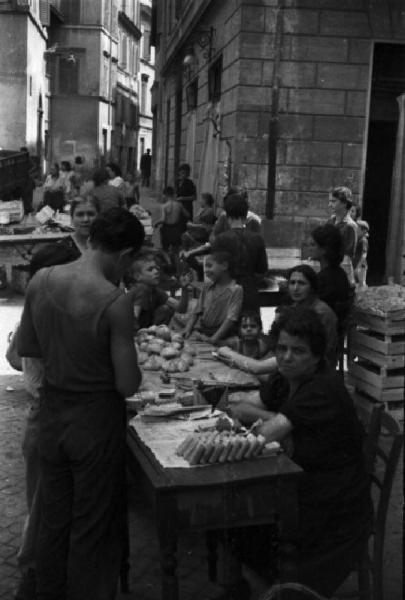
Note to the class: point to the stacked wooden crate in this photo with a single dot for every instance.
(377, 358)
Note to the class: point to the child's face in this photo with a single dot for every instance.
(249, 329)
(215, 270)
(148, 273)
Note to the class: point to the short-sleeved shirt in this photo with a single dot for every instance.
(149, 299)
(215, 305)
(186, 188)
(349, 233)
(334, 495)
(108, 196)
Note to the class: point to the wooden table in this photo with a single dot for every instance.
(25, 243)
(257, 491)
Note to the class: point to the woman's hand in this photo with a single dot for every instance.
(200, 337)
(225, 352)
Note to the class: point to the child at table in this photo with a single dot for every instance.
(152, 305)
(219, 305)
(251, 341)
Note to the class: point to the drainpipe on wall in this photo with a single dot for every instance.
(110, 78)
(273, 123)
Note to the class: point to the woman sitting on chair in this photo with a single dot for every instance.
(307, 406)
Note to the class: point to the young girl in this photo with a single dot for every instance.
(220, 302)
(251, 342)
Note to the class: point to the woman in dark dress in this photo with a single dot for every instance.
(307, 408)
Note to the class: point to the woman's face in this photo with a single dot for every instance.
(295, 359)
(316, 251)
(83, 217)
(299, 288)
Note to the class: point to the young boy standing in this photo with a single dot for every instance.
(219, 304)
(250, 342)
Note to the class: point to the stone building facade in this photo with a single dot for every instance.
(285, 97)
(23, 81)
(146, 78)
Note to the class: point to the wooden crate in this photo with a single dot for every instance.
(376, 349)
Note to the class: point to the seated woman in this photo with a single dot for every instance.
(302, 291)
(307, 403)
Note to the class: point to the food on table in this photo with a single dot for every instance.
(219, 447)
(224, 423)
(159, 348)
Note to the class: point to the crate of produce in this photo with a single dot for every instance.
(376, 346)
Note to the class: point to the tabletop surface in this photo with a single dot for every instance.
(249, 471)
(32, 237)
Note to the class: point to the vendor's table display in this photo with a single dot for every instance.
(377, 345)
(198, 468)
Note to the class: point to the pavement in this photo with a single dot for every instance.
(144, 559)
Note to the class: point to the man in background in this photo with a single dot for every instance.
(146, 167)
(340, 202)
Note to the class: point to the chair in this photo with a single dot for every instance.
(382, 449)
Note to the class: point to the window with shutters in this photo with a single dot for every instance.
(68, 75)
(146, 45)
(192, 95)
(144, 91)
(44, 12)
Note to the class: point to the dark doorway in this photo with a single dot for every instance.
(388, 82)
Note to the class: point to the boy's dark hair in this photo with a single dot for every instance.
(185, 167)
(343, 194)
(100, 176)
(303, 323)
(116, 229)
(329, 239)
(252, 315)
(144, 255)
(221, 257)
(66, 164)
(82, 200)
(308, 273)
(114, 168)
(209, 198)
(168, 191)
(236, 205)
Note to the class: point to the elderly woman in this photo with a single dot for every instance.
(302, 289)
(307, 407)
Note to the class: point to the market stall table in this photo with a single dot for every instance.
(207, 497)
(25, 243)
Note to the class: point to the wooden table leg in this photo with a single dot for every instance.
(167, 536)
(288, 528)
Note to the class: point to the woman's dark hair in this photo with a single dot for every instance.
(114, 168)
(329, 239)
(208, 198)
(66, 164)
(252, 315)
(83, 200)
(168, 191)
(308, 273)
(100, 176)
(303, 323)
(116, 229)
(56, 167)
(344, 194)
(221, 257)
(236, 205)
